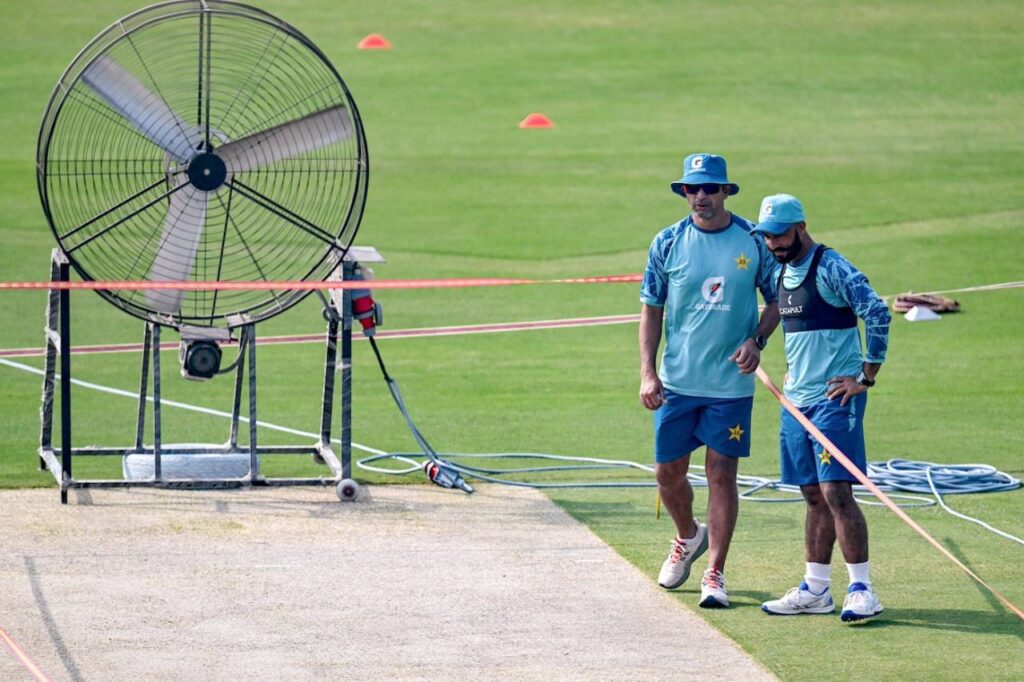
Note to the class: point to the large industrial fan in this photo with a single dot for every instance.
(199, 141)
(206, 141)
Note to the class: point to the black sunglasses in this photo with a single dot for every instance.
(708, 188)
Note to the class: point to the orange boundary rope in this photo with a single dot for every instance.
(324, 284)
(20, 654)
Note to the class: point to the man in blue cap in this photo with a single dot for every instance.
(700, 286)
(821, 295)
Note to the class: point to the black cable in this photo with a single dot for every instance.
(380, 360)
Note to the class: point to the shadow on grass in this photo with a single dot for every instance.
(952, 620)
(741, 599)
(993, 601)
(998, 621)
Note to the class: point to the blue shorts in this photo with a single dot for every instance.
(683, 423)
(803, 459)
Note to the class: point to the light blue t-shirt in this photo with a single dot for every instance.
(814, 357)
(707, 283)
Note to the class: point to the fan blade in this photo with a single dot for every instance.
(287, 140)
(179, 243)
(148, 112)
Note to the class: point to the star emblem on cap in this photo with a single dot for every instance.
(736, 432)
(742, 262)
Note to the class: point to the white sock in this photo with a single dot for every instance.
(818, 576)
(859, 573)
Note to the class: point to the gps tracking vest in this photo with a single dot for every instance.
(803, 309)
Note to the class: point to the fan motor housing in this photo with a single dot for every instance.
(207, 171)
(200, 359)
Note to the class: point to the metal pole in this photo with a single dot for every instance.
(346, 375)
(236, 408)
(157, 471)
(50, 366)
(330, 367)
(65, 384)
(140, 427)
(254, 464)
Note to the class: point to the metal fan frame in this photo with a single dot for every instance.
(138, 21)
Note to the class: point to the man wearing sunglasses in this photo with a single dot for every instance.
(821, 295)
(700, 287)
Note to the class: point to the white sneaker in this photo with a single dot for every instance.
(800, 600)
(712, 590)
(860, 603)
(676, 568)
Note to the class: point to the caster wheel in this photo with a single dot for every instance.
(348, 490)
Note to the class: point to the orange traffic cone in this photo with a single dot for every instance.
(374, 41)
(536, 121)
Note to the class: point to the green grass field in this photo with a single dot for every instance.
(897, 124)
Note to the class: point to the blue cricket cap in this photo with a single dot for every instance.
(703, 168)
(778, 213)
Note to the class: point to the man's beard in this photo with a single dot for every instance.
(791, 251)
(706, 213)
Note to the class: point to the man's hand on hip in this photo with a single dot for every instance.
(845, 388)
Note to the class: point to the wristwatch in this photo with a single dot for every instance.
(760, 341)
(863, 380)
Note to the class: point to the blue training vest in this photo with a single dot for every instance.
(803, 309)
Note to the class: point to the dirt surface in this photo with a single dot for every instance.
(411, 582)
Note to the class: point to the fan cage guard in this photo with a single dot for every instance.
(106, 189)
